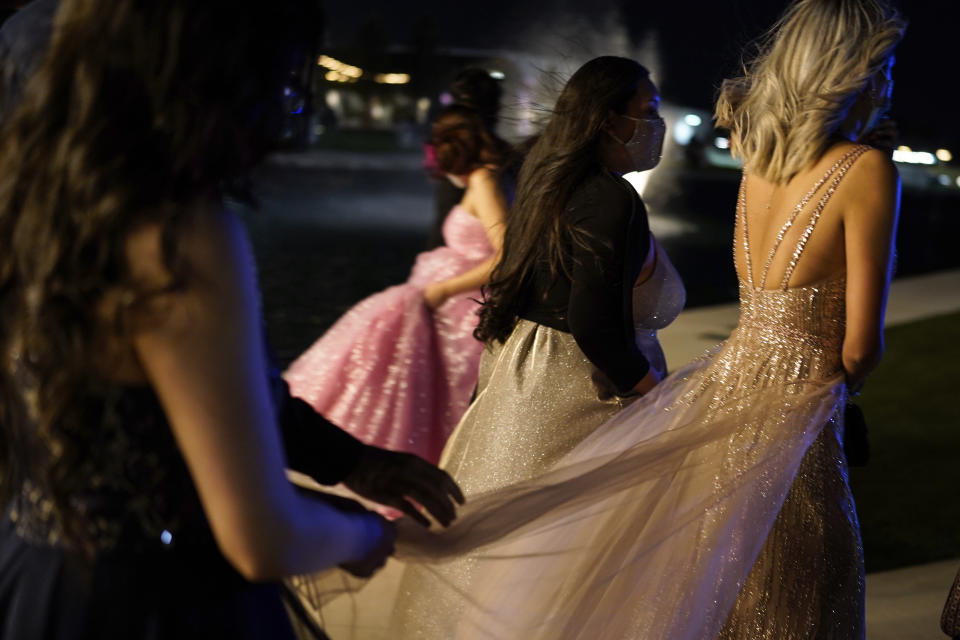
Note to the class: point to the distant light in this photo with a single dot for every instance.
(333, 99)
(958, 181)
(721, 143)
(287, 91)
(336, 76)
(693, 119)
(446, 99)
(944, 155)
(944, 179)
(913, 157)
(166, 537)
(392, 78)
(904, 148)
(497, 75)
(682, 133)
(342, 67)
(638, 179)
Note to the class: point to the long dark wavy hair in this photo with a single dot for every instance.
(566, 151)
(462, 141)
(139, 109)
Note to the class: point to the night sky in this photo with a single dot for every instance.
(698, 42)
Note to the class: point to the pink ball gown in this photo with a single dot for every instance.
(391, 372)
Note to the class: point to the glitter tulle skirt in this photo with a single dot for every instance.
(390, 371)
(538, 396)
(717, 506)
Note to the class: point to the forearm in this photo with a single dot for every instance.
(859, 363)
(613, 353)
(303, 535)
(470, 280)
(313, 445)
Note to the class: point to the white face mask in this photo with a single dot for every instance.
(645, 147)
(456, 181)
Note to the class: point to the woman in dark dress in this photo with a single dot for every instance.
(141, 469)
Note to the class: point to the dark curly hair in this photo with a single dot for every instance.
(462, 141)
(139, 109)
(476, 88)
(564, 153)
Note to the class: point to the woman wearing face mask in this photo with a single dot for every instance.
(570, 314)
(571, 311)
(398, 369)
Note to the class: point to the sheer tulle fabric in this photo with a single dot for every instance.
(717, 506)
(646, 530)
(391, 372)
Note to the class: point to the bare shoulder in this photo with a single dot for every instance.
(873, 180)
(201, 237)
(875, 166)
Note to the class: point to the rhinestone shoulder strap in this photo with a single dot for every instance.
(849, 160)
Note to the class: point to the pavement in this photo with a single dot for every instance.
(903, 604)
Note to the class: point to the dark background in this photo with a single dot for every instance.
(700, 42)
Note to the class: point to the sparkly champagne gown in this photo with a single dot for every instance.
(538, 395)
(716, 506)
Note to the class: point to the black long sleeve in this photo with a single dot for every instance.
(595, 303)
(314, 445)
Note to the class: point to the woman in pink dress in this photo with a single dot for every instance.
(398, 369)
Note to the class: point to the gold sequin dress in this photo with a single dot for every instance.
(716, 506)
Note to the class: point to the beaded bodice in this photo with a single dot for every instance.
(797, 330)
(465, 234)
(128, 480)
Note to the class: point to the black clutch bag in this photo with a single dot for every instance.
(856, 446)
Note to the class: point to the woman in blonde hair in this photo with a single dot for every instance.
(718, 505)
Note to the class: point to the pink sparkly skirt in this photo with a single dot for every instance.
(390, 371)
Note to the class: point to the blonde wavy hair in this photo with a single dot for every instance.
(813, 66)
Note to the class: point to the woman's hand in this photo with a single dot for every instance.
(435, 295)
(647, 382)
(400, 480)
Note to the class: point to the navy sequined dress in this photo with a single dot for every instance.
(155, 570)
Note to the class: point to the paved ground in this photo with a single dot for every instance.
(905, 604)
